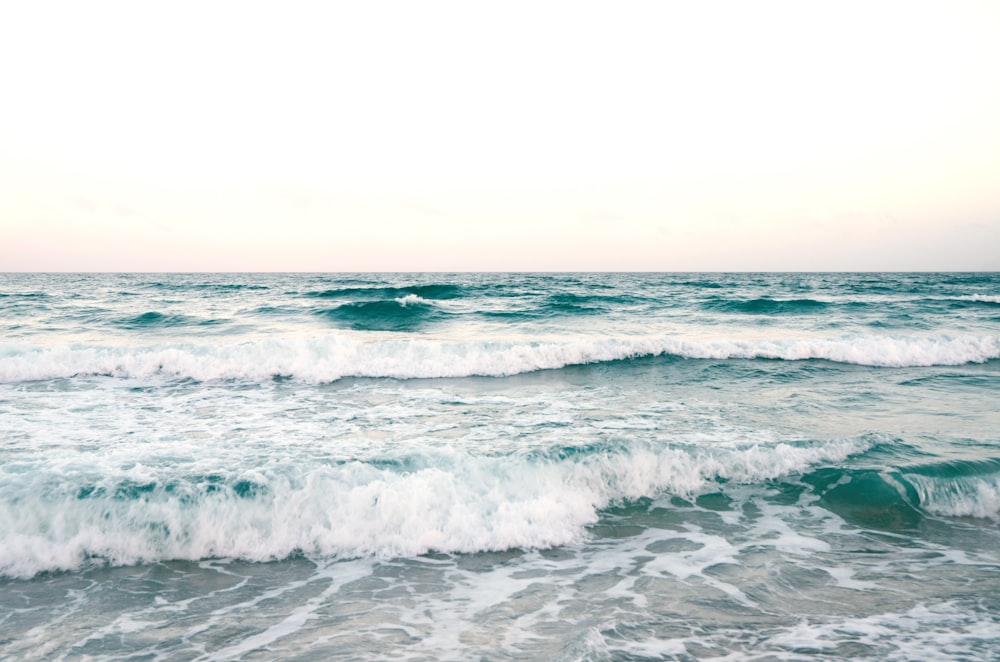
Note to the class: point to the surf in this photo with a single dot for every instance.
(444, 500)
(332, 357)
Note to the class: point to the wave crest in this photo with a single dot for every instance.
(899, 498)
(428, 291)
(407, 313)
(329, 358)
(767, 306)
(447, 501)
(332, 357)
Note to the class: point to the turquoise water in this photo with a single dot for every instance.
(500, 466)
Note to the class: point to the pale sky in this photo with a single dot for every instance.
(441, 136)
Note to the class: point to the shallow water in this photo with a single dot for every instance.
(500, 466)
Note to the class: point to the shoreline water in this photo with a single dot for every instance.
(575, 466)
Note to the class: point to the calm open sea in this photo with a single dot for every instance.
(500, 466)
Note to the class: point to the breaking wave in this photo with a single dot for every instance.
(437, 501)
(332, 357)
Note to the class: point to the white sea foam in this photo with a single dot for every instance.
(947, 629)
(984, 298)
(412, 300)
(454, 502)
(331, 357)
(967, 496)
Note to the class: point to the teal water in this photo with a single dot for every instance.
(500, 466)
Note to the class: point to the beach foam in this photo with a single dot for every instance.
(331, 357)
(444, 501)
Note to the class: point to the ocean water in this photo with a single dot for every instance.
(500, 466)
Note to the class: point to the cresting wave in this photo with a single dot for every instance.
(406, 313)
(445, 501)
(768, 306)
(897, 499)
(332, 357)
(969, 493)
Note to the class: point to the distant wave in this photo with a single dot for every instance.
(554, 306)
(430, 291)
(972, 278)
(438, 501)
(707, 284)
(568, 302)
(405, 313)
(154, 319)
(230, 286)
(25, 295)
(183, 285)
(767, 306)
(989, 299)
(331, 357)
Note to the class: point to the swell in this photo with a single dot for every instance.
(25, 295)
(900, 497)
(564, 304)
(331, 357)
(772, 306)
(154, 319)
(767, 306)
(972, 278)
(407, 313)
(703, 284)
(428, 291)
(442, 500)
(975, 301)
(183, 285)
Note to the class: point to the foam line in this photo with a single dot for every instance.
(455, 503)
(331, 357)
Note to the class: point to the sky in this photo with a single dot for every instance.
(499, 136)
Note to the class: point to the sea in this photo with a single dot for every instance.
(500, 466)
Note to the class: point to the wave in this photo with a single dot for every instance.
(155, 319)
(332, 357)
(958, 489)
(26, 295)
(406, 313)
(767, 306)
(232, 286)
(570, 305)
(184, 285)
(430, 291)
(559, 305)
(705, 284)
(445, 501)
(971, 278)
(899, 498)
(986, 299)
